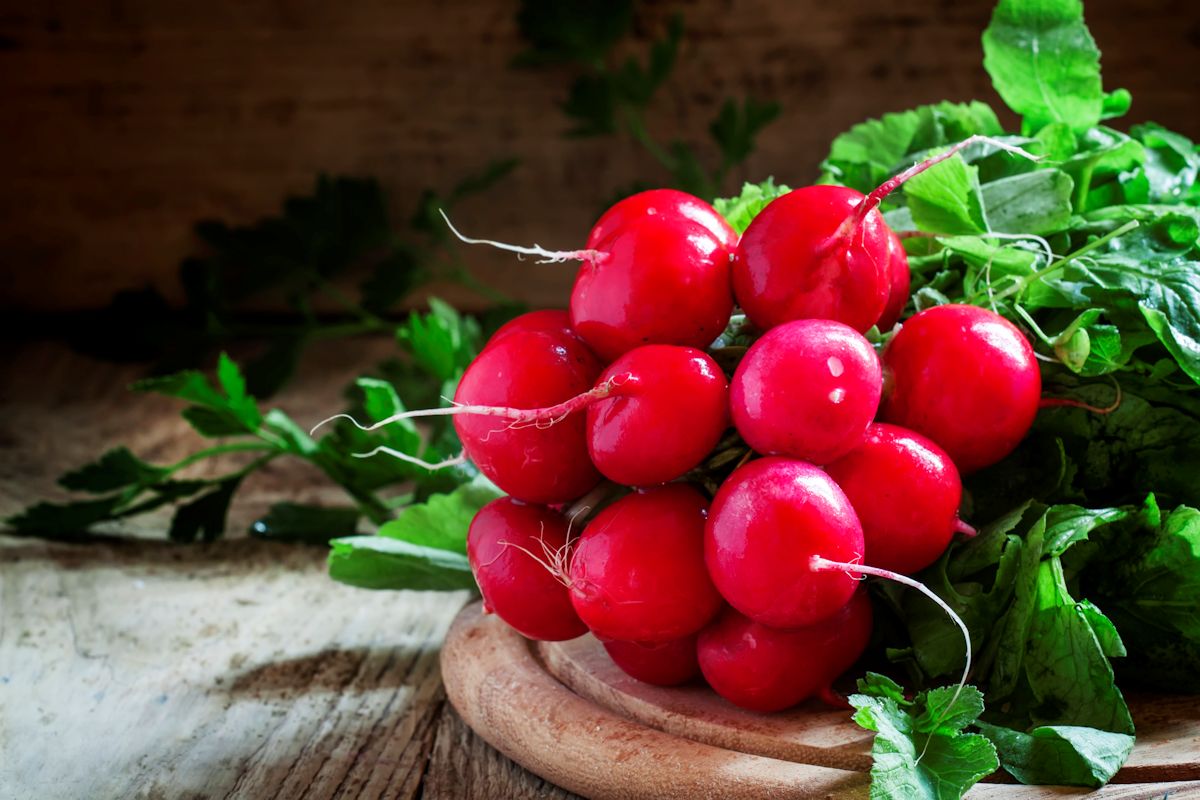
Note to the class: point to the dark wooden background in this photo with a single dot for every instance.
(126, 120)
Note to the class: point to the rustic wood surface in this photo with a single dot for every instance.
(141, 669)
(633, 742)
(125, 121)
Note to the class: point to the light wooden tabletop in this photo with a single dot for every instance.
(142, 669)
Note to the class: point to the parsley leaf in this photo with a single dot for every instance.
(920, 749)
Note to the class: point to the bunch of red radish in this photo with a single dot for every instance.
(758, 587)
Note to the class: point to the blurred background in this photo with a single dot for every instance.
(127, 122)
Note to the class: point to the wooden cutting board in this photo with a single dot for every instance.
(565, 712)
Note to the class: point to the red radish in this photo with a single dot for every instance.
(906, 492)
(528, 458)
(768, 520)
(637, 573)
(806, 389)
(794, 262)
(551, 320)
(509, 545)
(657, 280)
(666, 664)
(647, 278)
(767, 669)
(668, 409)
(901, 283)
(965, 377)
(821, 252)
(662, 202)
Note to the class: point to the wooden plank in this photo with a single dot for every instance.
(232, 670)
(127, 121)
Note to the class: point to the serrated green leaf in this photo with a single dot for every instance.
(114, 470)
(946, 198)
(740, 211)
(442, 520)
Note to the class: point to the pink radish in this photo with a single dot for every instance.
(822, 252)
(906, 492)
(661, 202)
(806, 389)
(768, 520)
(965, 377)
(509, 546)
(637, 573)
(666, 664)
(767, 669)
(524, 455)
(901, 283)
(668, 409)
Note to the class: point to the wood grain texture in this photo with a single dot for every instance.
(564, 712)
(149, 671)
(127, 120)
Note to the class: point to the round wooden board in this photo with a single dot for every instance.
(565, 712)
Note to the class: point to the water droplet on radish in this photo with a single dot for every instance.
(836, 367)
(837, 396)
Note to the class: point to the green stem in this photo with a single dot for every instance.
(1050, 269)
(1084, 184)
(232, 447)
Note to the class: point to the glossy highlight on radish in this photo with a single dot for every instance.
(551, 320)
(806, 389)
(767, 669)
(513, 549)
(637, 573)
(906, 492)
(966, 378)
(768, 520)
(667, 411)
(901, 283)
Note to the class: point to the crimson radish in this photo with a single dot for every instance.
(524, 455)
(806, 389)
(667, 411)
(767, 521)
(906, 492)
(551, 320)
(661, 202)
(509, 546)
(648, 278)
(637, 573)
(767, 669)
(664, 664)
(965, 377)
(901, 283)
(822, 252)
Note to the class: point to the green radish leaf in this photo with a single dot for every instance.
(381, 562)
(1060, 754)
(1044, 63)
(1172, 164)
(740, 211)
(1033, 202)
(946, 198)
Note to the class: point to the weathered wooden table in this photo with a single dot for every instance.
(142, 669)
